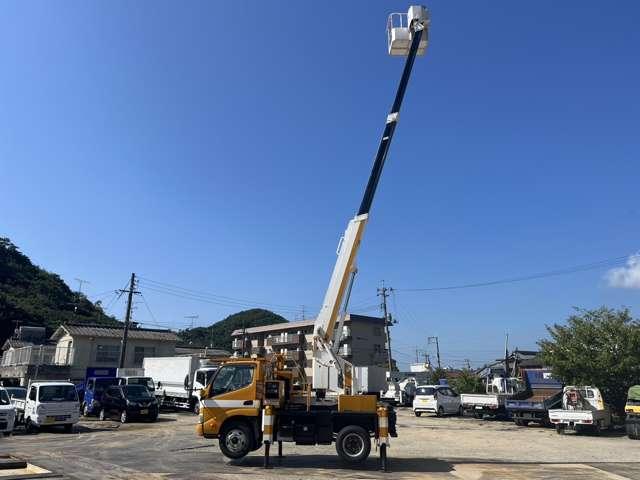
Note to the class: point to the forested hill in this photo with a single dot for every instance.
(33, 296)
(219, 334)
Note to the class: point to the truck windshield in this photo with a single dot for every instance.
(103, 383)
(144, 381)
(425, 391)
(4, 398)
(135, 392)
(19, 393)
(58, 393)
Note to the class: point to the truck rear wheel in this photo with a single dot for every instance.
(235, 440)
(560, 429)
(353, 444)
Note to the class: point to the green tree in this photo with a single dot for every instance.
(468, 382)
(219, 334)
(33, 296)
(598, 347)
(438, 374)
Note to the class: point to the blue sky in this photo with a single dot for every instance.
(223, 146)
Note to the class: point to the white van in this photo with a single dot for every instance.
(7, 413)
(438, 399)
(50, 404)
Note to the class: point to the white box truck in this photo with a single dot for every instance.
(178, 380)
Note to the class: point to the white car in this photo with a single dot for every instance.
(49, 404)
(438, 399)
(7, 413)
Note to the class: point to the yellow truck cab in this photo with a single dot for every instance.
(632, 409)
(254, 401)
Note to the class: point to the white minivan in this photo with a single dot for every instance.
(438, 399)
(50, 404)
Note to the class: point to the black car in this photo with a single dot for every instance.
(128, 402)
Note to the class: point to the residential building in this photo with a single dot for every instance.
(74, 347)
(362, 341)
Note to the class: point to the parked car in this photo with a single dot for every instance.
(632, 409)
(128, 402)
(7, 413)
(583, 407)
(16, 393)
(49, 404)
(438, 399)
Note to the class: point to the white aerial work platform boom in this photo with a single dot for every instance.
(407, 35)
(260, 400)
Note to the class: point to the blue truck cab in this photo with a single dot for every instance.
(95, 384)
(545, 393)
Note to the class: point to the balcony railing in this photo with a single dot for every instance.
(296, 356)
(260, 351)
(288, 339)
(38, 355)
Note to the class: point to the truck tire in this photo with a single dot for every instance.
(124, 417)
(29, 426)
(103, 415)
(560, 429)
(196, 407)
(440, 412)
(85, 410)
(417, 414)
(353, 444)
(477, 415)
(236, 440)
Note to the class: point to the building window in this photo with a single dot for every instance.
(108, 353)
(139, 353)
(377, 348)
(377, 331)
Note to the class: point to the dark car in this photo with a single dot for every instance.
(128, 402)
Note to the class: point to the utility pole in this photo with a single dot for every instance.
(506, 354)
(384, 293)
(435, 340)
(127, 319)
(192, 318)
(303, 313)
(80, 283)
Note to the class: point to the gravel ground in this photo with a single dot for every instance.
(428, 447)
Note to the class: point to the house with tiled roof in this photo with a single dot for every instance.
(74, 347)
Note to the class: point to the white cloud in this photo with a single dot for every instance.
(627, 276)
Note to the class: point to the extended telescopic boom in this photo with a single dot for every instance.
(409, 40)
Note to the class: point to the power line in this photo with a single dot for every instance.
(552, 273)
(216, 297)
(197, 298)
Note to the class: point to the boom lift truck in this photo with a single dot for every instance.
(252, 401)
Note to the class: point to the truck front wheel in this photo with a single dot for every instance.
(560, 429)
(353, 444)
(235, 440)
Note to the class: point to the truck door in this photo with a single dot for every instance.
(232, 392)
(30, 403)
